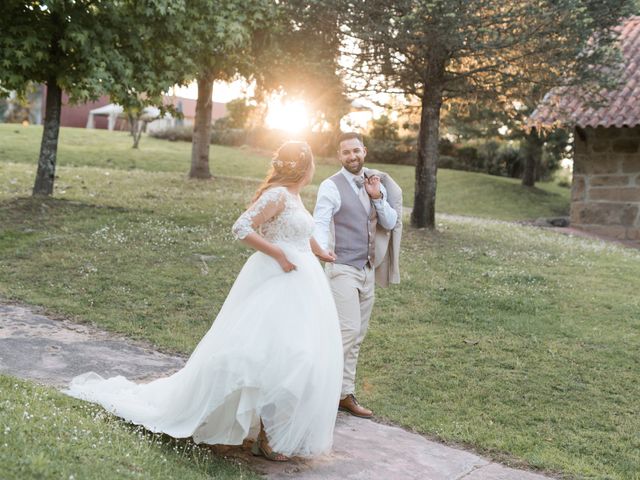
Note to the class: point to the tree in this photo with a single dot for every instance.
(383, 128)
(301, 59)
(151, 40)
(291, 46)
(219, 37)
(239, 112)
(86, 48)
(540, 151)
(443, 49)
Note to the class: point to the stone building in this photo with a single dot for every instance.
(605, 196)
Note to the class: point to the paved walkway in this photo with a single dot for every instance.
(49, 351)
(540, 223)
(576, 232)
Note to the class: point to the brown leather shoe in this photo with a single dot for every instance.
(350, 405)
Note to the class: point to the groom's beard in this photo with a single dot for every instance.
(354, 167)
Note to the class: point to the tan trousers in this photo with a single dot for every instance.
(353, 291)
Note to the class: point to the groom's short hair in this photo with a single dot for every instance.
(348, 136)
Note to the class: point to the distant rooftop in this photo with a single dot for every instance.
(621, 107)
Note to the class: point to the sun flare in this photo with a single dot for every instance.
(290, 116)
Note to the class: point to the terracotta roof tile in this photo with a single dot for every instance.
(620, 108)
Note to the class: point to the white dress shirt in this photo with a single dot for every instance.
(328, 203)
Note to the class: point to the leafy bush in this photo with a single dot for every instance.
(232, 137)
(322, 143)
(174, 134)
(507, 163)
(395, 152)
(239, 111)
(451, 163)
(468, 158)
(492, 157)
(383, 128)
(446, 147)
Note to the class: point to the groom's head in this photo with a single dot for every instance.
(351, 152)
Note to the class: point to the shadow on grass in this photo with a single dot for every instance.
(46, 211)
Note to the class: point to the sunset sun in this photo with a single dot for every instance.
(291, 116)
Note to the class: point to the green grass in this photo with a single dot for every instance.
(460, 193)
(45, 434)
(521, 344)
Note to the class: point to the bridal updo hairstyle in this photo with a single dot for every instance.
(289, 165)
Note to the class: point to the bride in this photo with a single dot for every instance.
(272, 359)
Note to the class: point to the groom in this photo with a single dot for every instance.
(351, 206)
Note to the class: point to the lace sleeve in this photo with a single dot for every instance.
(267, 206)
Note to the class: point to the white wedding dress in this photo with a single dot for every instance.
(274, 353)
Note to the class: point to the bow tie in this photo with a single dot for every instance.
(359, 181)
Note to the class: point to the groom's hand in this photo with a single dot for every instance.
(372, 186)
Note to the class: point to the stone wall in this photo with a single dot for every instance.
(605, 196)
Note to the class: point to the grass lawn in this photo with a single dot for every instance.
(45, 434)
(519, 343)
(461, 193)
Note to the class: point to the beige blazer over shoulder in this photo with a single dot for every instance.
(387, 256)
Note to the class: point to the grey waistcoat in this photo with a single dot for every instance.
(354, 228)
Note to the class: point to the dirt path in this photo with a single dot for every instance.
(48, 351)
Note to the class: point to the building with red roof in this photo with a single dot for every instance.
(77, 115)
(605, 196)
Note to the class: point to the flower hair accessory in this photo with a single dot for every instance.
(276, 162)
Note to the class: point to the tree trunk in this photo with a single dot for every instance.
(137, 134)
(532, 153)
(132, 122)
(202, 131)
(424, 201)
(135, 127)
(49, 145)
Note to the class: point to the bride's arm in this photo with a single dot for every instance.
(261, 244)
(324, 255)
(266, 207)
